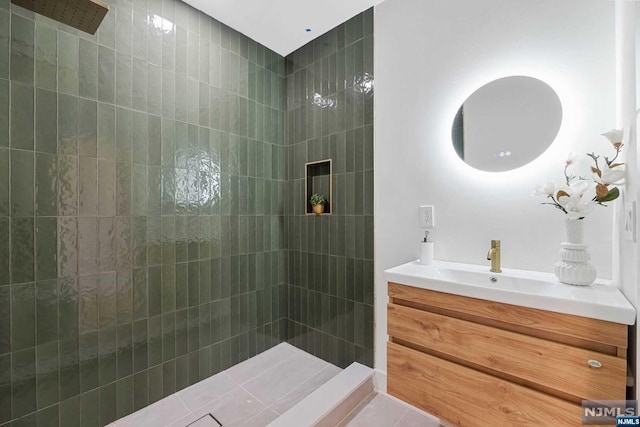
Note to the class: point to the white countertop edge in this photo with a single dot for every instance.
(623, 312)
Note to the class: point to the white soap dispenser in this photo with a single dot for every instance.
(426, 250)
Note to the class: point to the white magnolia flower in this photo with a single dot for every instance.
(571, 158)
(614, 135)
(609, 176)
(577, 198)
(548, 189)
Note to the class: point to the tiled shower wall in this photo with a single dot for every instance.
(141, 209)
(330, 258)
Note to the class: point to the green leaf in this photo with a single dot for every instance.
(613, 194)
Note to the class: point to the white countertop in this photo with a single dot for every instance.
(600, 300)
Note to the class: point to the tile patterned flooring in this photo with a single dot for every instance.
(256, 391)
(382, 411)
(252, 393)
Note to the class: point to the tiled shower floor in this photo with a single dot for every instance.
(257, 391)
(252, 393)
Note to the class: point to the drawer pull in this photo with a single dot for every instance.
(594, 363)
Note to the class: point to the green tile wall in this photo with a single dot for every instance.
(142, 223)
(330, 258)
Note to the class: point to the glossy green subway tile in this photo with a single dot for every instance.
(5, 387)
(139, 33)
(89, 367)
(70, 412)
(22, 116)
(4, 182)
(47, 375)
(87, 128)
(5, 318)
(46, 184)
(106, 188)
(46, 312)
(155, 140)
(88, 187)
(125, 297)
(68, 308)
(123, 236)
(68, 185)
(107, 404)
(107, 300)
(168, 336)
(22, 49)
(106, 131)
(154, 89)
(5, 103)
(107, 31)
(46, 57)
(139, 84)
(69, 368)
(140, 339)
(139, 147)
(140, 294)
(155, 384)
(22, 183)
(125, 351)
(88, 69)
(90, 408)
(140, 390)
(123, 79)
(124, 397)
(68, 63)
(154, 45)
(123, 135)
(123, 189)
(23, 382)
(123, 27)
(67, 124)
(107, 355)
(22, 250)
(106, 75)
(106, 244)
(88, 303)
(5, 43)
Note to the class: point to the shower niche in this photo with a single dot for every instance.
(318, 178)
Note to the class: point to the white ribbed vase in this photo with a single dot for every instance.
(574, 267)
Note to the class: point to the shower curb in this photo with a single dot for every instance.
(332, 401)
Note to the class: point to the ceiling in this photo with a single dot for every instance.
(281, 24)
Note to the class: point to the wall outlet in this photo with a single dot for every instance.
(630, 221)
(427, 217)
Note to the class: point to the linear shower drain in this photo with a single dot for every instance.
(205, 421)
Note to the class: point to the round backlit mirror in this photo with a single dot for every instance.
(506, 123)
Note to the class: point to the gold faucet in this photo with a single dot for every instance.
(494, 256)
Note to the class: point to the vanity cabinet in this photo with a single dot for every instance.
(474, 362)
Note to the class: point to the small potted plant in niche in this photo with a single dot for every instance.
(317, 202)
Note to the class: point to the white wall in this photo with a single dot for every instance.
(627, 44)
(429, 56)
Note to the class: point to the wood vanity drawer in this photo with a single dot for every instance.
(599, 335)
(548, 366)
(469, 398)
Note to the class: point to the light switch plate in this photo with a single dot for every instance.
(630, 221)
(427, 219)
